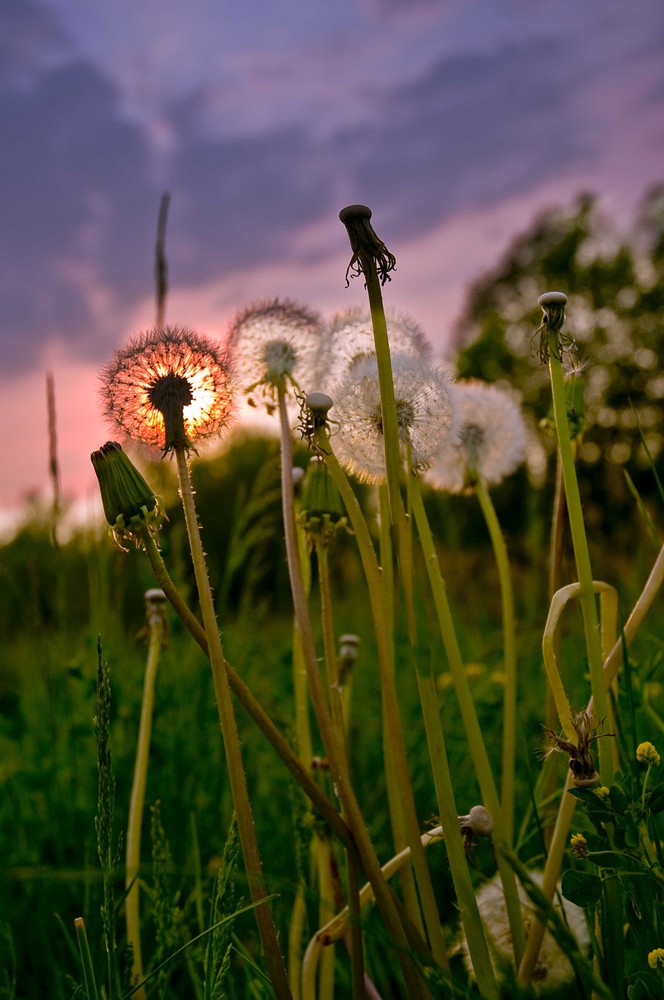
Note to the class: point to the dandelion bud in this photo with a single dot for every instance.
(126, 497)
(348, 649)
(321, 507)
(478, 823)
(368, 249)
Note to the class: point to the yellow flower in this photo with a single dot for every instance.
(579, 845)
(602, 792)
(656, 958)
(646, 754)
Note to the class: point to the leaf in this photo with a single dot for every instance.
(582, 888)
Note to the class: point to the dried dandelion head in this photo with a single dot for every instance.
(425, 414)
(367, 247)
(491, 442)
(168, 388)
(554, 969)
(349, 337)
(274, 343)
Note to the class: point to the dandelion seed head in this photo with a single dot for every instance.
(274, 341)
(491, 442)
(166, 377)
(425, 414)
(349, 337)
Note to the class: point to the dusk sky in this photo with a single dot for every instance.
(455, 120)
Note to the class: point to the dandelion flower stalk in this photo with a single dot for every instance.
(166, 389)
(328, 733)
(397, 763)
(156, 625)
(372, 259)
(509, 658)
(474, 737)
(553, 307)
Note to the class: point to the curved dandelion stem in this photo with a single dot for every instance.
(581, 553)
(509, 658)
(234, 763)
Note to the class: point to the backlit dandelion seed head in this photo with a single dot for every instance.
(274, 341)
(169, 376)
(425, 414)
(491, 443)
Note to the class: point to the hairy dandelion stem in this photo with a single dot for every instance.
(245, 823)
(349, 803)
(509, 658)
(581, 553)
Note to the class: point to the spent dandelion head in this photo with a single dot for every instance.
(425, 414)
(491, 443)
(367, 247)
(168, 388)
(550, 330)
(274, 343)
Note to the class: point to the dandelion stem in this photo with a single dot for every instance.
(471, 724)
(137, 799)
(581, 554)
(392, 723)
(247, 834)
(509, 658)
(349, 803)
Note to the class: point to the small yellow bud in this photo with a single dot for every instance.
(646, 754)
(656, 958)
(579, 845)
(602, 792)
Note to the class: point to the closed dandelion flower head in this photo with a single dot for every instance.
(275, 341)
(168, 388)
(425, 414)
(491, 443)
(350, 337)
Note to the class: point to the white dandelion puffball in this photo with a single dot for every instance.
(553, 968)
(425, 414)
(491, 443)
(274, 340)
(349, 337)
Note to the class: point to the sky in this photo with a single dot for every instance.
(454, 120)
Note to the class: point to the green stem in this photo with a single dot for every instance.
(581, 554)
(235, 768)
(509, 659)
(86, 960)
(471, 724)
(463, 886)
(386, 382)
(334, 752)
(137, 799)
(247, 699)
(392, 726)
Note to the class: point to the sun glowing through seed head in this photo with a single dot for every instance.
(168, 388)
